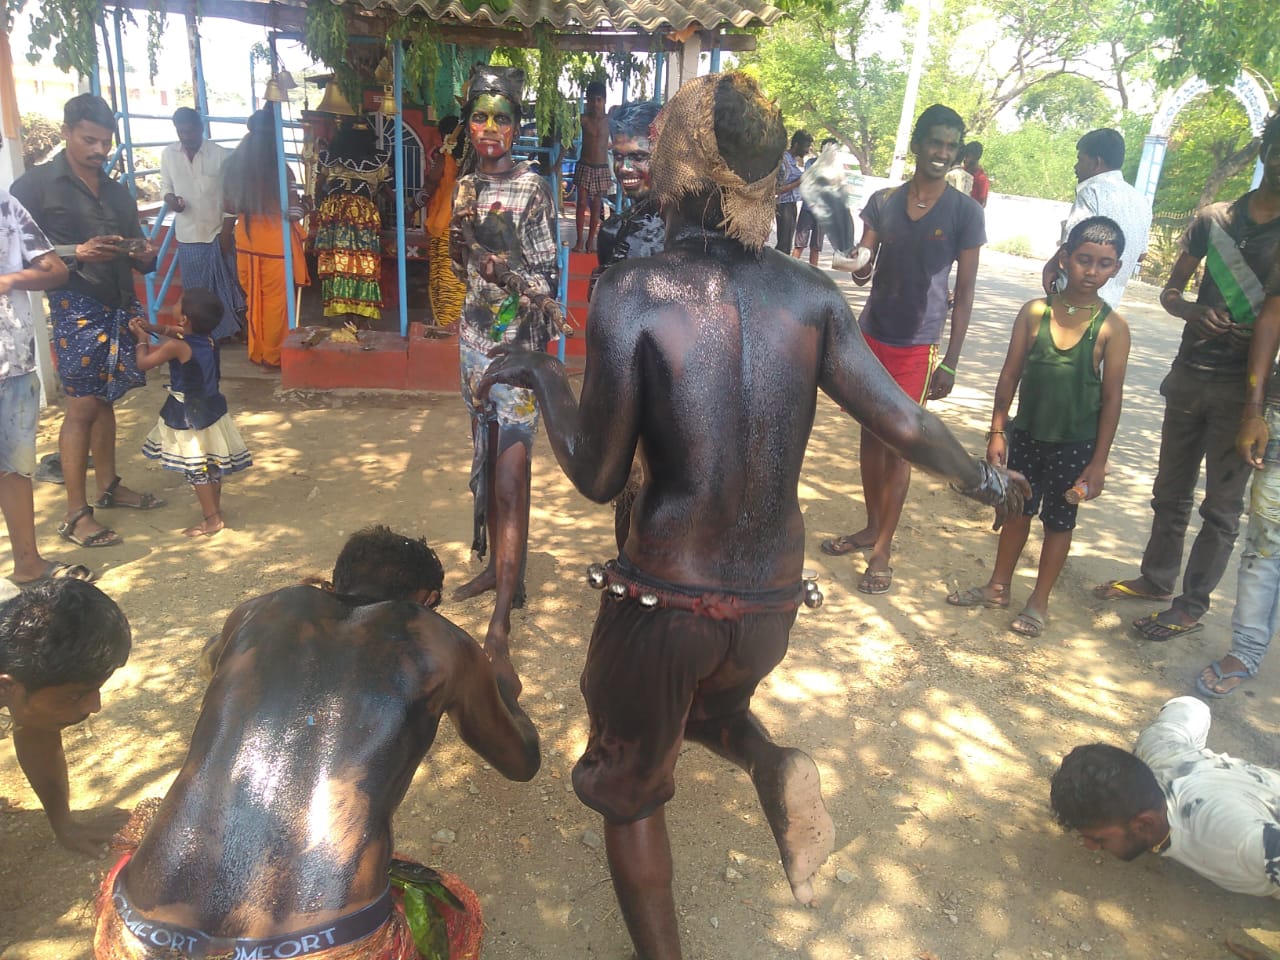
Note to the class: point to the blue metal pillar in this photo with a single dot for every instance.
(197, 64)
(282, 178)
(397, 57)
(715, 54)
(123, 84)
(659, 64)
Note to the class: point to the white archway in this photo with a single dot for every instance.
(1246, 88)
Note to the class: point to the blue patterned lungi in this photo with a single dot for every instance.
(93, 346)
(205, 265)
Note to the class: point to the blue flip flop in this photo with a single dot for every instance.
(1207, 691)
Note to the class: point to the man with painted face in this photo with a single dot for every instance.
(275, 838)
(914, 234)
(639, 231)
(92, 221)
(501, 236)
(191, 182)
(707, 358)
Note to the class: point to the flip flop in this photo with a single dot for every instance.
(1028, 623)
(974, 597)
(1158, 631)
(1207, 691)
(1119, 590)
(56, 570)
(106, 537)
(840, 546)
(876, 582)
(146, 501)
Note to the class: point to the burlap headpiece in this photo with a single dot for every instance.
(504, 81)
(689, 159)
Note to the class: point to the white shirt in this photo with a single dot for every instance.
(1224, 813)
(21, 242)
(199, 183)
(1109, 195)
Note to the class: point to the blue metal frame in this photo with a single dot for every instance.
(397, 57)
(127, 144)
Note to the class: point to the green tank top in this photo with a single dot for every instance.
(1060, 395)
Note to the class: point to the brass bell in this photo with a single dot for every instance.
(388, 101)
(274, 92)
(648, 600)
(335, 102)
(595, 576)
(618, 591)
(812, 595)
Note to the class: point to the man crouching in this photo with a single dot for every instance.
(275, 838)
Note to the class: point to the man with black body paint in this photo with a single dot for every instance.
(708, 357)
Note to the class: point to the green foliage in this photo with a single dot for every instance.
(824, 81)
(325, 38)
(40, 135)
(422, 50)
(1066, 100)
(1208, 131)
(1216, 38)
(1019, 246)
(555, 114)
(67, 27)
(1036, 160)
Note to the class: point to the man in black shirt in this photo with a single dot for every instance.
(93, 222)
(1204, 401)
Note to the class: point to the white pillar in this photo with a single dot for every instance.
(907, 118)
(682, 65)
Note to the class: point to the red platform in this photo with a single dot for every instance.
(380, 361)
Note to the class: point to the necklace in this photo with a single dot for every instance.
(920, 204)
(1073, 309)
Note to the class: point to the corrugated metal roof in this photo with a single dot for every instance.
(590, 14)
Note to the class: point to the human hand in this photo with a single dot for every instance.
(1049, 276)
(100, 249)
(512, 365)
(1095, 475)
(175, 202)
(1240, 332)
(1207, 322)
(941, 383)
(90, 836)
(6, 283)
(1251, 440)
(138, 327)
(997, 449)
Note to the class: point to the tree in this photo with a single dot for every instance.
(1215, 39)
(1210, 156)
(827, 78)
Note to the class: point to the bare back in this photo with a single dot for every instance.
(318, 715)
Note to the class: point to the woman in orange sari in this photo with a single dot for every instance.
(251, 193)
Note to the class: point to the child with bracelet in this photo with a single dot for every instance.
(1069, 352)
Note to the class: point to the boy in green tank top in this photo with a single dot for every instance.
(1069, 351)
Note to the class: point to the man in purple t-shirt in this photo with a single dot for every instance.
(915, 232)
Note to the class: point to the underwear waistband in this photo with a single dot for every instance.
(624, 581)
(196, 943)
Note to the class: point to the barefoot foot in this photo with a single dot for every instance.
(790, 792)
(482, 582)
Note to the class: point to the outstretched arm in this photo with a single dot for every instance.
(43, 761)
(486, 714)
(853, 378)
(593, 437)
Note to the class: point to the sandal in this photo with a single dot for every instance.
(840, 546)
(56, 570)
(1119, 590)
(876, 582)
(1212, 690)
(106, 537)
(1029, 623)
(1158, 631)
(146, 501)
(976, 597)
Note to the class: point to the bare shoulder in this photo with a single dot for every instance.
(1114, 328)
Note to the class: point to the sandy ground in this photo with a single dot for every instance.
(935, 728)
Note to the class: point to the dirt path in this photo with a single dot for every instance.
(935, 728)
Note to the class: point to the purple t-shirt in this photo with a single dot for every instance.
(908, 302)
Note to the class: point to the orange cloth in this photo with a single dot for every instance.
(260, 265)
(440, 206)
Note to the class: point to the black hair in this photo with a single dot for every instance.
(1105, 144)
(937, 115)
(1100, 230)
(89, 108)
(596, 89)
(633, 119)
(801, 141)
(203, 308)
(186, 115)
(64, 631)
(249, 184)
(750, 135)
(1101, 785)
(354, 141)
(1270, 136)
(972, 149)
(377, 562)
(827, 141)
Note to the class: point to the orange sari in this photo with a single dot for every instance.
(260, 265)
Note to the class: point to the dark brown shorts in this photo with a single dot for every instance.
(650, 673)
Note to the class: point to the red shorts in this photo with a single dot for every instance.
(911, 367)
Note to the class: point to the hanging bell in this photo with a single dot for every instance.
(618, 591)
(274, 92)
(595, 576)
(388, 101)
(335, 102)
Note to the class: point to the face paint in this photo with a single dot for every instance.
(631, 157)
(492, 126)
